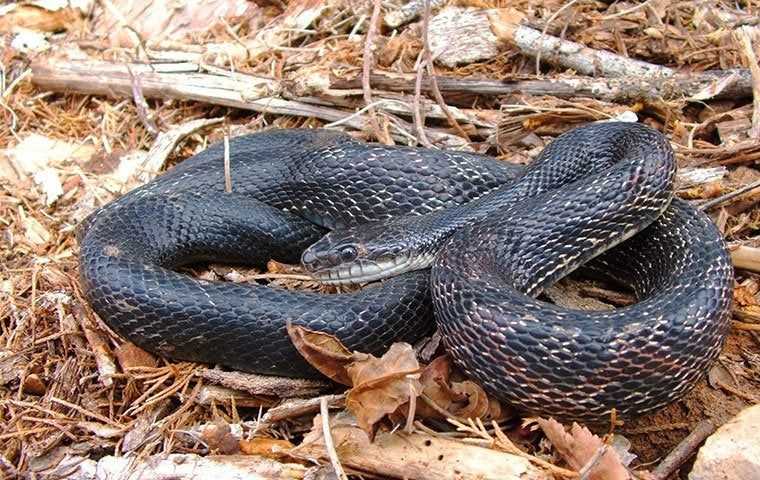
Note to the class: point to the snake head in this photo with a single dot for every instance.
(364, 253)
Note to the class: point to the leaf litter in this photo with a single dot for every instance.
(73, 392)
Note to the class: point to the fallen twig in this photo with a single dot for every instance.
(328, 439)
(367, 69)
(625, 89)
(731, 195)
(684, 450)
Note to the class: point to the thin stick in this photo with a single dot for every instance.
(419, 122)
(585, 471)
(86, 413)
(626, 12)
(683, 451)
(367, 69)
(431, 74)
(359, 112)
(546, 28)
(329, 445)
(227, 174)
(746, 326)
(725, 198)
(409, 428)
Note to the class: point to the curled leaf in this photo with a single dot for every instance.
(464, 399)
(323, 351)
(382, 384)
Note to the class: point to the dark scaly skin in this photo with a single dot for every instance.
(579, 365)
(282, 182)
(589, 189)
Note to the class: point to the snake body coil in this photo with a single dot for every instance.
(494, 244)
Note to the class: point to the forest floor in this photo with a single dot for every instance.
(99, 98)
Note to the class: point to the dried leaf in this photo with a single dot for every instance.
(381, 385)
(38, 157)
(35, 232)
(324, 352)
(435, 381)
(130, 355)
(36, 17)
(33, 384)
(477, 405)
(462, 399)
(579, 446)
(219, 438)
(266, 447)
(744, 296)
(166, 20)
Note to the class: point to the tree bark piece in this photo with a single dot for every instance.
(264, 385)
(711, 84)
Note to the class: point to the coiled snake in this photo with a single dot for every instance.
(494, 235)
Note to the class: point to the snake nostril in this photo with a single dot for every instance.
(308, 258)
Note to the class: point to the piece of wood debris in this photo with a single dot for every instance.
(745, 257)
(296, 407)
(417, 455)
(213, 394)
(166, 142)
(462, 35)
(624, 89)
(408, 12)
(98, 344)
(280, 387)
(691, 177)
(186, 81)
(183, 467)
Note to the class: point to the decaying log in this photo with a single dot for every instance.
(187, 81)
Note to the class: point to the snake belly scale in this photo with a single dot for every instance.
(599, 197)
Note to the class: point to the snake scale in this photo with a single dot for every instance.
(467, 241)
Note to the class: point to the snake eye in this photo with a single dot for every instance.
(348, 253)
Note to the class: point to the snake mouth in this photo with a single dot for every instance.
(366, 271)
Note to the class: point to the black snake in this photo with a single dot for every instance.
(494, 235)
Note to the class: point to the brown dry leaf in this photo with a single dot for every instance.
(35, 232)
(435, 381)
(165, 19)
(478, 404)
(382, 384)
(219, 438)
(35, 17)
(578, 447)
(462, 399)
(744, 296)
(130, 355)
(266, 447)
(344, 432)
(323, 352)
(33, 384)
